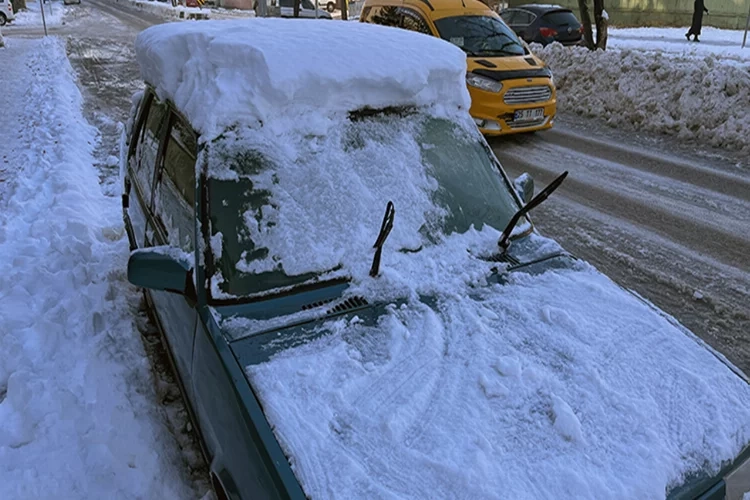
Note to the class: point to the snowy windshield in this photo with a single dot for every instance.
(295, 211)
(480, 36)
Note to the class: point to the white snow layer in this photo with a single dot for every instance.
(561, 385)
(701, 99)
(220, 73)
(78, 416)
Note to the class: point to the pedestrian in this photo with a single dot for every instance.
(695, 28)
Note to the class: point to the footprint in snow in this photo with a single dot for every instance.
(566, 422)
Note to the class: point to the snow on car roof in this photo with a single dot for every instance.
(219, 73)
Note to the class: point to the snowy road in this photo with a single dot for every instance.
(672, 226)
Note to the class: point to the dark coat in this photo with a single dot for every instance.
(698, 9)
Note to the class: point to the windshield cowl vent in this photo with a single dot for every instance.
(348, 305)
(503, 258)
(317, 304)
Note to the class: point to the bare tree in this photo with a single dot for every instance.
(296, 8)
(18, 5)
(602, 24)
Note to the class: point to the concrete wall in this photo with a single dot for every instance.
(724, 13)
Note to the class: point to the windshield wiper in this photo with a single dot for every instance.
(536, 201)
(385, 230)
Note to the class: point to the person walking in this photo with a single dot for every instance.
(695, 29)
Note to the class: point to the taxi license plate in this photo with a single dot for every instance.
(528, 115)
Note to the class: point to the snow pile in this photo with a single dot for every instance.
(561, 385)
(223, 72)
(53, 14)
(702, 100)
(78, 415)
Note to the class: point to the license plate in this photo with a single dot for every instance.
(528, 115)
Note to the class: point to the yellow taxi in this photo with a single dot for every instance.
(511, 89)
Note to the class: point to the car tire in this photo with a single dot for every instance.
(3, 19)
(330, 6)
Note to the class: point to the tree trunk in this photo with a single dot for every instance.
(602, 23)
(344, 10)
(296, 8)
(586, 21)
(18, 5)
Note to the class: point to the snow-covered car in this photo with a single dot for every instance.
(356, 305)
(6, 12)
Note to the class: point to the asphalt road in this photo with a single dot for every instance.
(669, 222)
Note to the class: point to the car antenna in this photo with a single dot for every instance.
(537, 200)
(385, 230)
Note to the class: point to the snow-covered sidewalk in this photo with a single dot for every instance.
(649, 81)
(78, 412)
(53, 14)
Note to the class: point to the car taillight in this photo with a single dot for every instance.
(547, 32)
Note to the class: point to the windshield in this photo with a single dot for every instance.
(283, 216)
(480, 36)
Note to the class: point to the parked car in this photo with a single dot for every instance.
(544, 24)
(307, 9)
(71, 2)
(6, 12)
(462, 355)
(511, 89)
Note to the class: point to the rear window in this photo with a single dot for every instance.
(561, 18)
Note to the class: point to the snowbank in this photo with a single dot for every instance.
(223, 72)
(561, 385)
(703, 100)
(53, 14)
(78, 414)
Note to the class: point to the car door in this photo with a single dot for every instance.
(174, 224)
(522, 21)
(146, 139)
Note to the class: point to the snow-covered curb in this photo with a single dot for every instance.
(166, 10)
(701, 99)
(78, 412)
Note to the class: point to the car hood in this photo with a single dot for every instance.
(546, 384)
(529, 63)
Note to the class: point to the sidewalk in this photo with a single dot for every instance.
(78, 410)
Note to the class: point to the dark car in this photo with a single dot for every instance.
(544, 24)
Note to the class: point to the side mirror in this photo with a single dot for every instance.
(524, 185)
(162, 268)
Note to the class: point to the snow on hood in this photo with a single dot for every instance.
(223, 72)
(556, 385)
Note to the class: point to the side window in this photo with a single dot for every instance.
(523, 18)
(509, 16)
(386, 15)
(174, 198)
(412, 20)
(147, 148)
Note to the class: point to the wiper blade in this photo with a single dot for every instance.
(385, 230)
(536, 201)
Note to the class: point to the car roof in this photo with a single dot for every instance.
(436, 9)
(250, 71)
(538, 8)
